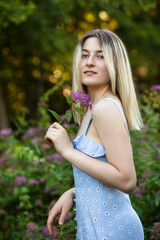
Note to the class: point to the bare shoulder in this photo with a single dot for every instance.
(108, 119)
(106, 109)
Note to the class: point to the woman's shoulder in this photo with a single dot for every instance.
(109, 114)
(111, 103)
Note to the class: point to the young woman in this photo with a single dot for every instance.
(101, 154)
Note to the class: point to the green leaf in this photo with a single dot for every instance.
(157, 200)
(57, 117)
(69, 100)
(79, 111)
(69, 115)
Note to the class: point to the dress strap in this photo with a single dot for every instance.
(121, 111)
(86, 128)
(119, 108)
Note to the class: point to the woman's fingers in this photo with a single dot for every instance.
(49, 135)
(63, 216)
(50, 220)
(56, 125)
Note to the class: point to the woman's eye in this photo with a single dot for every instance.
(100, 57)
(84, 55)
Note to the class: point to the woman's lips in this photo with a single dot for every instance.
(89, 73)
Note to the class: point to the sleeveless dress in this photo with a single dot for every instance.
(102, 212)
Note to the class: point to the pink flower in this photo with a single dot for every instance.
(5, 132)
(156, 87)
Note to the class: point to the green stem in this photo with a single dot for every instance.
(72, 108)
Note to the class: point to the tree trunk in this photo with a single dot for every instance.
(3, 114)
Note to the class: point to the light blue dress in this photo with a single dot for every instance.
(102, 212)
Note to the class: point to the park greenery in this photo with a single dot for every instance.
(37, 39)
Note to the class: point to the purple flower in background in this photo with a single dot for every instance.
(47, 189)
(36, 140)
(45, 231)
(63, 117)
(1, 180)
(42, 180)
(137, 192)
(142, 187)
(145, 128)
(38, 202)
(45, 146)
(2, 212)
(54, 156)
(20, 180)
(156, 87)
(69, 215)
(144, 152)
(32, 131)
(33, 182)
(5, 157)
(31, 229)
(156, 231)
(5, 132)
(24, 238)
(82, 97)
(146, 174)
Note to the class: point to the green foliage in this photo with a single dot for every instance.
(69, 115)
(146, 148)
(57, 117)
(32, 177)
(15, 12)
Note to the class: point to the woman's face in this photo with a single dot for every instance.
(93, 69)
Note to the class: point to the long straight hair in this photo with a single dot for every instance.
(121, 82)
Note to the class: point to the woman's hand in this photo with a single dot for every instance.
(62, 207)
(58, 135)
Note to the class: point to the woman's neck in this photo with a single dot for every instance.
(97, 94)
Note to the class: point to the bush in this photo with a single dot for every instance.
(33, 176)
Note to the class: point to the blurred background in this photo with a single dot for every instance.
(37, 39)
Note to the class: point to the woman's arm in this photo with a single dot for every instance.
(62, 207)
(119, 171)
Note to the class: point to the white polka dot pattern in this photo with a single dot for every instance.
(102, 213)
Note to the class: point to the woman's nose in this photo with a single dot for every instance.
(90, 61)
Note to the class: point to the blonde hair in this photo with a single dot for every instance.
(121, 82)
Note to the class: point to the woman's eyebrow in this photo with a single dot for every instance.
(98, 51)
